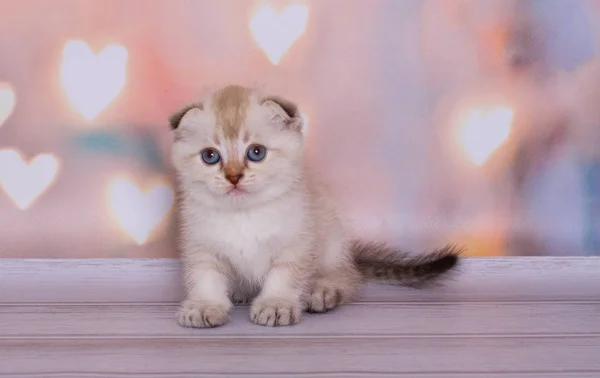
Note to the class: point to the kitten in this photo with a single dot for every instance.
(256, 225)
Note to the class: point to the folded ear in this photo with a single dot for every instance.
(175, 119)
(285, 112)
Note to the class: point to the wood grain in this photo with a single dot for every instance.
(314, 355)
(157, 280)
(563, 374)
(358, 320)
(499, 318)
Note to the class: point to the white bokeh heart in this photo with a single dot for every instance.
(8, 100)
(92, 81)
(304, 123)
(24, 182)
(136, 212)
(483, 131)
(275, 32)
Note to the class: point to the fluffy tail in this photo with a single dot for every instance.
(384, 264)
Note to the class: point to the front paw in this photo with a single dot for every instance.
(275, 312)
(202, 314)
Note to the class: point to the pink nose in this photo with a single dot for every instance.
(234, 178)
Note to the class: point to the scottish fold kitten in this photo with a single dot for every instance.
(256, 225)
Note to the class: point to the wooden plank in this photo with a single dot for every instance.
(158, 280)
(564, 374)
(308, 355)
(89, 280)
(409, 319)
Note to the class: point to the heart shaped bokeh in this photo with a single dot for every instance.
(483, 131)
(275, 32)
(24, 181)
(8, 99)
(91, 81)
(138, 212)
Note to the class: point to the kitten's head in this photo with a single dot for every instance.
(238, 148)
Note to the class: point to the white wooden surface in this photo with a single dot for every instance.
(506, 317)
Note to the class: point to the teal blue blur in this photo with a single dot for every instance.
(140, 146)
(591, 205)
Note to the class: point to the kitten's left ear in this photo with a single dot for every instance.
(175, 119)
(285, 112)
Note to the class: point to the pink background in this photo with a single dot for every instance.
(375, 78)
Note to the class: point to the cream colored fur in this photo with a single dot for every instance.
(279, 245)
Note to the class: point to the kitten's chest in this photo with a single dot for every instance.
(249, 228)
(250, 240)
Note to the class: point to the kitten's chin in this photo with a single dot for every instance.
(228, 199)
(242, 198)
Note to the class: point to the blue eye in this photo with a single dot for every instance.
(256, 153)
(210, 156)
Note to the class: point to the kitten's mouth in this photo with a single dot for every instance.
(235, 191)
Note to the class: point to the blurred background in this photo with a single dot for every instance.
(466, 121)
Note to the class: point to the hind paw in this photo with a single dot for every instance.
(328, 294)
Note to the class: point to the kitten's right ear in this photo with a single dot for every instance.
(285, 111)
(175, 119)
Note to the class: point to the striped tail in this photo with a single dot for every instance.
(385, 264)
